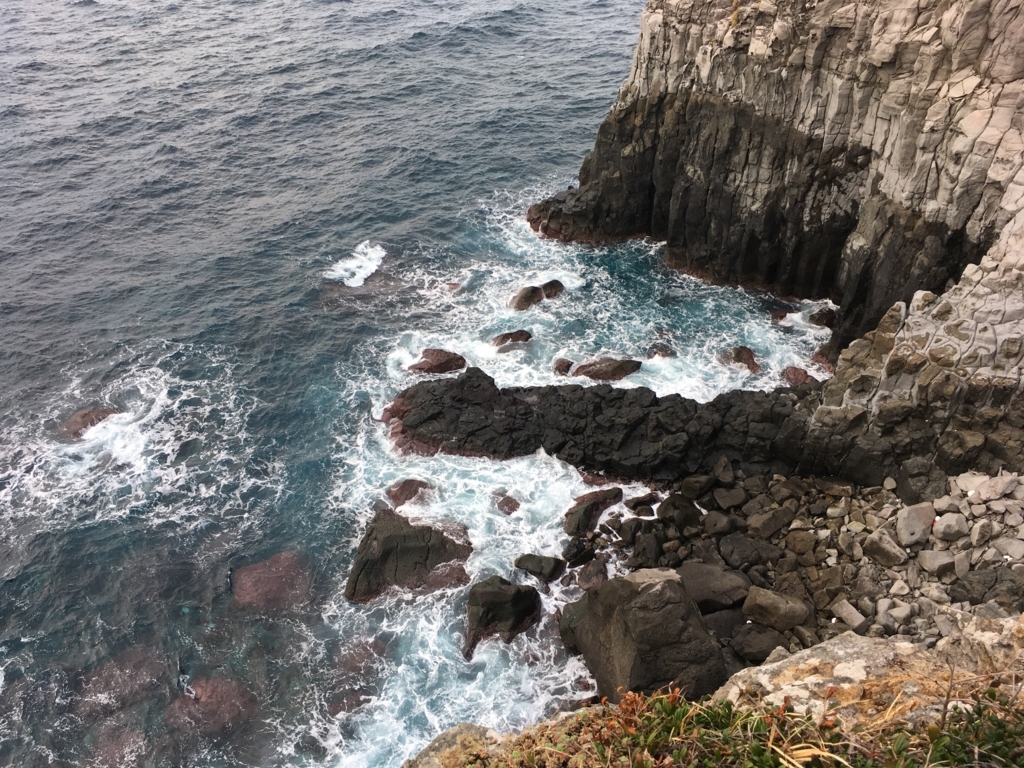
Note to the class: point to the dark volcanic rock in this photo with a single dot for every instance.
(660, 349)
(755, 643)
(527, 297)
(406, 490)
(713, 588)
(280, 583)
(80, 421)
(607, 369)
(577, 552)
(583, 515)
(823, 317)
(593, 574)
(642, 632)
(512, 337)
(212, 707)
(394, 552)
(742, 356)
(498, 607)
(680, 511)
(547, 569)
(552, 288)
(506, 504)
(438, 361)
(563, 366)
(739, 550)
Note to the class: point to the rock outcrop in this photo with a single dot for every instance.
(860, 151)
(499, 607)
(397, 553)
(642, 632)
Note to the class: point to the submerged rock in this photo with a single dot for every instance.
(281, 583)
(396, 553)
(212, 707)
(742, 356)
(563, 366)
(507, 341)
(642, 632)
(407, 490)
(499, 607)
(129, 677)
(552, 288)
(438, 361)
(80, 421)
(526, 298)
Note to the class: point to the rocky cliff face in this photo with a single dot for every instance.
(858, 151)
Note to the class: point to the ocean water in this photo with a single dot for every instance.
(238, 223)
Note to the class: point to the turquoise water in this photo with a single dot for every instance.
(238, 223)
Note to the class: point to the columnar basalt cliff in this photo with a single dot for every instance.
(857, 151)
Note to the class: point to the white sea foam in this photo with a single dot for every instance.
(364, 261)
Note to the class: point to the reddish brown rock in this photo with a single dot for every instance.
(742, 356)
(407, 490)
(512, 337)
(820, 359)
(506, 503)
(778, 315)
(607, 369)
(526, 298)
(823, 317)
(438, 361)
(552, 288)
(563, 366)
(212, 707)
(121, 681)
(797, 377)
(82, 420)
(281, 583)
(118, 747)
(660, 349)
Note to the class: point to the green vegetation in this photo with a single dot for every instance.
(666, 730)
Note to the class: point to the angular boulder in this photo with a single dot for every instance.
(914, 523)
(526, 298)
(884, 550)
(406, 490)
(499, 607)
(642, 632)
(797, 377)
(547, 569)
(281, 583)
(742, 356)
(396, 553)
(438, 361)
(755, 643)
(607, 369)
(712, 587)
(774, 609)
(583, 515)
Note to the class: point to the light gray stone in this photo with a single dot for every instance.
(850, 616)
(773, 609)
(997, 487)
(962, 563)
(881, 548)
(1011, 548)
(938, 563)
(981, 532)
(951, 526)
(899, 588)
(914, 524)
(945, 504)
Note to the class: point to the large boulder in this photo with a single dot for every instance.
(406, 490)
(583, 515)
(396, 553)
(212, 707)
(499, 607)
(507, 341)
(774, 609)
(438, 361)
(742, 356)
(81, 420)
(547, 569)
(712, 587)
(552, 288)
(281, 583)
(642, 632)
(526, 298)
(607, 369)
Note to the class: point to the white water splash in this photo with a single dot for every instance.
(353, 271)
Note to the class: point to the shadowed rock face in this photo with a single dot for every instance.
(395, 552)
(860, 151)
(498, 607)
(280, 583)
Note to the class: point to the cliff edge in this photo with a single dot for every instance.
(856, 151)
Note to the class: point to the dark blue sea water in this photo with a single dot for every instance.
(238, 223)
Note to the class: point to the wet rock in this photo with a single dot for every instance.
(739, 551)
(129, 677)
(742, 356)
(408, 490)
(775, 610)
(642, 632)
(824, 317)
(552, 288)
(498, 607)
(607, 369)
(755, 642)
(506, 504)
(80, 421)
(593, 574)
(212, 707)
(660, 349)
(512, 337)
(584, 514)
(438, 361)
(712, 587)
(778, 315)
(797, 377)
(397, 553)
(563, 366)
(645, 500)
(547, 569)
(281, 583)
(526, 298)
(577, 552)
